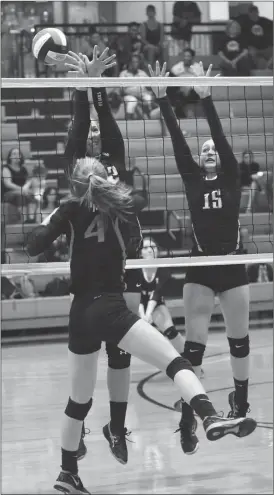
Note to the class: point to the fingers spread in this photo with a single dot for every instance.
(104, 53)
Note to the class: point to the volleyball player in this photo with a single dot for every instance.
(152, 306)
(97, 220)
(106, 142)
(213, 192)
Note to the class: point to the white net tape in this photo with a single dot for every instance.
(63, 268)
(112, 82)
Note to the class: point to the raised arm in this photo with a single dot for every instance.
(78, 132)
(228, 161)
(111, 136)
(41, 237)
(186, 165)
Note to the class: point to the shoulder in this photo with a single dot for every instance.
(178, 68)
(142, 73)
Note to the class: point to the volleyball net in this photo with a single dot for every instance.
(36, 114)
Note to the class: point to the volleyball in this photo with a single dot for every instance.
(50, 46)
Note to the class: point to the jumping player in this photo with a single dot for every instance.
(213, 193)
(97, 220)
(106, 143)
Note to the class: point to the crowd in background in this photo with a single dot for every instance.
(246, 44)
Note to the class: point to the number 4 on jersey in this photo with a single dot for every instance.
(213, 200)
(96, 229)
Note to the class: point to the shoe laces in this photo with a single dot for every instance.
(116, 438)
(86, 431)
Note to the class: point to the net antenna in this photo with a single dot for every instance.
(229, 83)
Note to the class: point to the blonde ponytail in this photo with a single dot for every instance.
(91, 186)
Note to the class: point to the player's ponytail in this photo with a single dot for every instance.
(90, 185)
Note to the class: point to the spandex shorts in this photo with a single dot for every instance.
(217, 278)
(96, 319)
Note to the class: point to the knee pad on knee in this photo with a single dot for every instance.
(239, 348)
(117, 358)
(170, 333)
(178, 364)
(78, 411)
(194, 352)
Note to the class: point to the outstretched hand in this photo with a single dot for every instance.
(159, 92)
(82, 67)
(202, 91)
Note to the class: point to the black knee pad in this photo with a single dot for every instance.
(178, 364)
(170, 333)
(194, 352)
(239, 348)
(78, 411)
(117, 358)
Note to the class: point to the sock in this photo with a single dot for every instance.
(117, 416)
(69, 461)
(202, 406)
(194, 352)
(241, 391)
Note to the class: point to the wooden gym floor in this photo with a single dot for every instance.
(34, 392)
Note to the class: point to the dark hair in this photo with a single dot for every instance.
(22, 158)
(248, 152)
(151, 7)
(46, 194)
(253, 8)
(133, 24)
(189, 50)
(89, 184)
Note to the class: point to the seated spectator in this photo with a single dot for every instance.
(250, 177)
(233, 52)
(88, 43)
(260, 273)
(185, 15)
(182, 96)
(258, 32)
(49, 203)
(152, 34)
(15, 187)
(128, 44)
(139, 101)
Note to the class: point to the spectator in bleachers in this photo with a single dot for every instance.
(128, 44)
(250, 177)
(138, 101)
(185, 15)
(49, 203)
(233, 52)
(15, 186)
(88, 43)
(258, 32)
(180, 97)
(35, 186)
(152, 34)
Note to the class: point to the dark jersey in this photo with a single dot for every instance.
(232, 47)
(98, 247)
(214, 204)
(152, 289)
(112, 150)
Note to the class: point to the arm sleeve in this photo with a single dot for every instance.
(41, 238)
(229, 163)
(78, 134)
(187, 167)
(164, 277)
(111, 136)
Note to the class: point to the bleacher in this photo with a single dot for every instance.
(36, 121)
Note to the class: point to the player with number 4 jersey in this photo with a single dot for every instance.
(213, 192)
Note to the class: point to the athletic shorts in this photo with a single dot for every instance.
(217, 278)
(96, 319)
(133, 281)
